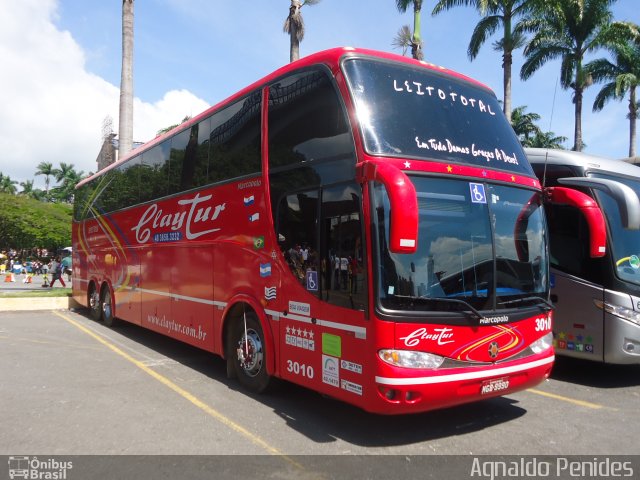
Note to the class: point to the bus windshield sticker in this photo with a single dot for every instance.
(312, 280)
(454, 97)
(331, 345)
(477, 193)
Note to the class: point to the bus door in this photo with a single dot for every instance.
(324, 331)
(578, 322)
(576, 283)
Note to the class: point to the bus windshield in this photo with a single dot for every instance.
(480, 245)
(625, 244)
(407, 111)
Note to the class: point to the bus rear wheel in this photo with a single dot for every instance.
(95, 309)
(107, 308)
(248, 353)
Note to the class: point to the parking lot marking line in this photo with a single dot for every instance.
(183, 393)
(45, 342)
(575, 401)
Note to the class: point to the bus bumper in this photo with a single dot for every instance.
(402, 394)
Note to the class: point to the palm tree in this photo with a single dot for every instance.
(567, 30)
(46, 169)
(65, 170)
(621, 76)
(496, 13)
(416, 39)
(7, 185)
(524, 124)
(27, 188)
(402, 39)
(294, 26)
(68, 178)
(546, 140)
(125, 127)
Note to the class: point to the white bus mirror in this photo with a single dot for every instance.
(624, 196)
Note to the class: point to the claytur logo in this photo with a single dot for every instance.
(38, 469)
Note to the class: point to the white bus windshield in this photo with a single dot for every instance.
(406, 111)
(625, 244)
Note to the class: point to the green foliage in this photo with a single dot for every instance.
(27, 223)
(529, 134)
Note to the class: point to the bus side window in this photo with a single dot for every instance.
(569, 243)
(155, 173)
(297, 236)
(307, 121)
(234, 139)
(179, 143)
(342, 259)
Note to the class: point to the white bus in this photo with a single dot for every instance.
(593, 215)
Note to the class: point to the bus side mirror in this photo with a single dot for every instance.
(591, 212)
(624, 196)
(403, 221)
(520, 230)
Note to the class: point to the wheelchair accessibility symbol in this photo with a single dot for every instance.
(477, 193)
(312, 280)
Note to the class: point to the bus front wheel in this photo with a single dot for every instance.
(248, 353)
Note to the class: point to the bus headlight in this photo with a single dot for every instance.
(410, 359)
(619, 311)
(542, 344)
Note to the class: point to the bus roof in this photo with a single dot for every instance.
(579, 159)
(328, 57)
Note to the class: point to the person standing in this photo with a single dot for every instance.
(56, 272)
(66, 264)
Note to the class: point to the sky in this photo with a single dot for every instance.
(60, 64)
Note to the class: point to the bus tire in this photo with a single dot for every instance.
(95, 309)
(106, 307)
(248, 354)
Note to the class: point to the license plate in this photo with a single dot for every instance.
(494, 385)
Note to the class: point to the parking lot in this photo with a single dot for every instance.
(73, 387)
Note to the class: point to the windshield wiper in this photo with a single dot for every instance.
(475, 313)
(528, 299)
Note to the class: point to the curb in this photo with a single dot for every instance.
(35, 303)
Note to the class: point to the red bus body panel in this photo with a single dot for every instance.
(215, 248)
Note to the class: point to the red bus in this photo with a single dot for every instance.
(359, 223)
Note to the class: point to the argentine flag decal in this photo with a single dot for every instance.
(265, 269)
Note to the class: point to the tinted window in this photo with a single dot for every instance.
(569, 243)
(234, 140)
(179, 144)
(407, 111)
(155, 172)
(342, 257)
(326, 257)
(297, 236)
(307, 121)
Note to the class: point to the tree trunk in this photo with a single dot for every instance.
(416, 40)
(126, 81)
(507, 62)
(577, 145)
(294, 34)
(633, 116)
(506, 82)
(294, 47)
